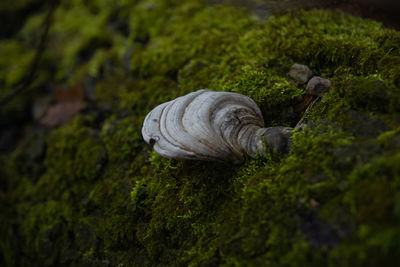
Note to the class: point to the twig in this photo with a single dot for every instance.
(28, 78)
(306, 112)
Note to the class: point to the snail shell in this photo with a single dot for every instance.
(209, 125)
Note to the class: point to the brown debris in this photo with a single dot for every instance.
(69, 103)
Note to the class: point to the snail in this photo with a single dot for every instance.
(211, 125)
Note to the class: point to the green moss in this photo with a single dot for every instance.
(101, 197)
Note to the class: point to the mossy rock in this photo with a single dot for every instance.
(101, 197)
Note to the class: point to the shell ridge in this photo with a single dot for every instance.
(177, 150)
(176, 133)
(209, 108)
(201, 127)
(174, 130)
(241, 114)
(152, 123)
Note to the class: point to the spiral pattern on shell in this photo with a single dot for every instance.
(206, 125)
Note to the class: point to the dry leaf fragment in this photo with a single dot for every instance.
(69, 103)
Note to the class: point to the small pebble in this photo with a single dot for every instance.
(300, 73)
(317, 86)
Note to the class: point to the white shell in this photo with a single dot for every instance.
(206, 125)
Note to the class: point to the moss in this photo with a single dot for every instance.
(98, 196)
